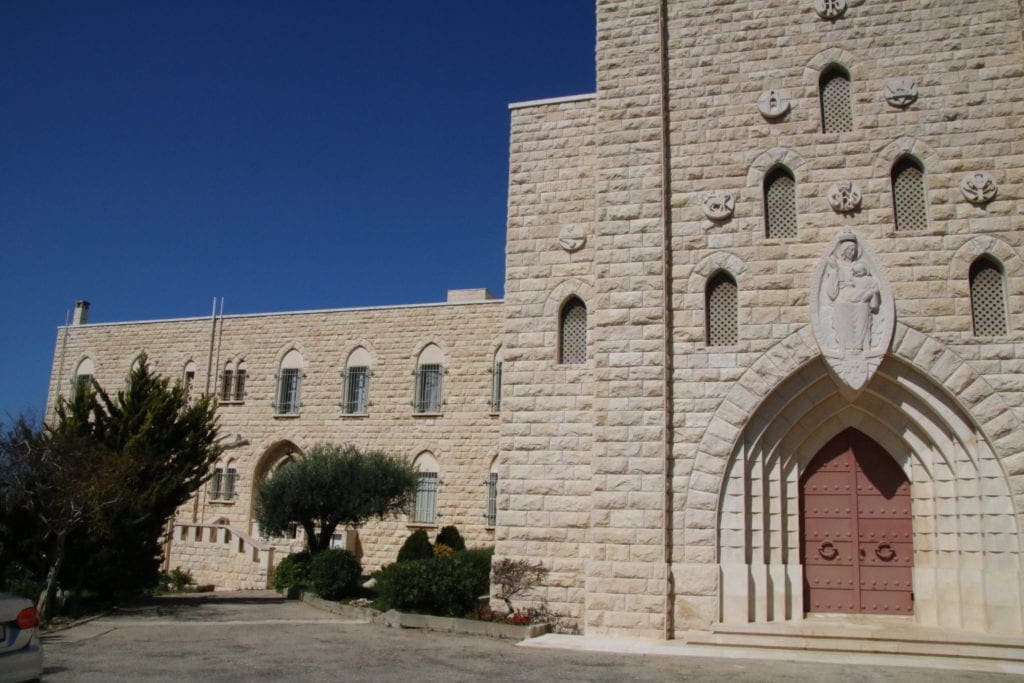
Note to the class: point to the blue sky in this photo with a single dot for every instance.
(282, 155)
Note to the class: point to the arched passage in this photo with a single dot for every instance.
(274, 457)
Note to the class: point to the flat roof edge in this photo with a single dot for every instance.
(552, 100)
(277, 313)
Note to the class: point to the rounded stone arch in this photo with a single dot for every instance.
(769, 160)
(711, 264)
(907, 146)
(272, 456)
(825, 59)
(84, 365)
(352, 347)
(1013, 272)
(426, 460)
(562, 292)
(417, 352)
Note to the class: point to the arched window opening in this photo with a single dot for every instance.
(496, 383)
(240, 376)
(216, 482)
(720, 305)
(356, 390)
(289, 380)
(909, 202)
(230, 477)
(780, 204)
(188, 379)
(573, 332)
(425, 504)
(429, 391)
(988, 298)
(83, 377)
(834, 92)
(491, 517)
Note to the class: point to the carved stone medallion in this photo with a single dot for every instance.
(979, 187)
(900, 92)
(830, 9)
(571, 238)
(773, 104)
(853, 313)
(719, 206)
(844, 197)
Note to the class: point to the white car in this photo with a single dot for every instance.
(21, 655)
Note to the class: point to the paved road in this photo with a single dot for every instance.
(227, 637)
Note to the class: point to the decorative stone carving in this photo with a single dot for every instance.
(853, 313)
(900, 92)
(830, 9)
(844, 197)
(773, 104)
(719, 206)
(979, 187)
(571, 238)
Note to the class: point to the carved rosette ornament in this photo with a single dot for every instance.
(979, 187)
(773, 104)
(830, 9)
(844, 197)
(853, 313)
(900, 92)
(571, 238)
(719, 206)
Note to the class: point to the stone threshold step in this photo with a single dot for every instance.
(856, 645)
(895, 630)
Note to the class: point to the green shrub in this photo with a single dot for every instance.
(450, 537)
(335, 573)
(292, 571)
(448, 585)
(177, 580)
(416, 547)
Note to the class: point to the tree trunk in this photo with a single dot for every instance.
(49, 594)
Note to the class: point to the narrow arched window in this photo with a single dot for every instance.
(988, 298)
(425, 503)
(83, 377)
(188, 379)
(834, 92)
(908, 196)
(491, 517)
(289, 382)
(779, 204)
(356, 392)
(720, 310)
(573, 332)
(428, 393)
(496, 382)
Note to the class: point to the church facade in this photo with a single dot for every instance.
(761, 349)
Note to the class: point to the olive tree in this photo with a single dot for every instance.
(334, 486)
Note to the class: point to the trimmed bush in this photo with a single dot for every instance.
(416, 547)
(292, 571)
(335, 573)
(448, 585)
(450, 537)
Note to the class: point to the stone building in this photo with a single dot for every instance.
(761, 339)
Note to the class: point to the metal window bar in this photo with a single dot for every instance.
(428, 388)
(357, 382)
(215, 483)
(82, 384)
(228, 489)
(239, 392)
(425, 509)
(496, 388)
(288, 392)
(225, 385)
(492, 499)
(190, 380)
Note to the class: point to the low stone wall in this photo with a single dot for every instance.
(220, 555)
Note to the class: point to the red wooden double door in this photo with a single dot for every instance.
(856, 530)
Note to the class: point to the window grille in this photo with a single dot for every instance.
(425, 508)
(720, 311)
(496, 387)
(988, 298)
(573, 333)
(190, 380)
(239, 391)
(83, 383)
(780, 204)
(428, 388)
(215, 483)
(288, 392)
(357, 384)
(492, 499)
(226, 383)
(228, 489)
(908, 197)
(834, 91)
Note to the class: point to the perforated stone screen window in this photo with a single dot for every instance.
(720, 311)
(573, 349)
(836, 113)
(988, 299)
(780, 204)
(908, 197)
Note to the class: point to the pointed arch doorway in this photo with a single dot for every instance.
(856, 529)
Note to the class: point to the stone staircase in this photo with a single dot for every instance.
(894, 640)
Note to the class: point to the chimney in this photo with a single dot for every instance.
(81, 312)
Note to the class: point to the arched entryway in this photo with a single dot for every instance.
(856, 529)
(274, 458)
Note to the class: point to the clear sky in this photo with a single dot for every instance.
(282, 155)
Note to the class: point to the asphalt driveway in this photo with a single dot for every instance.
(259, 635)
